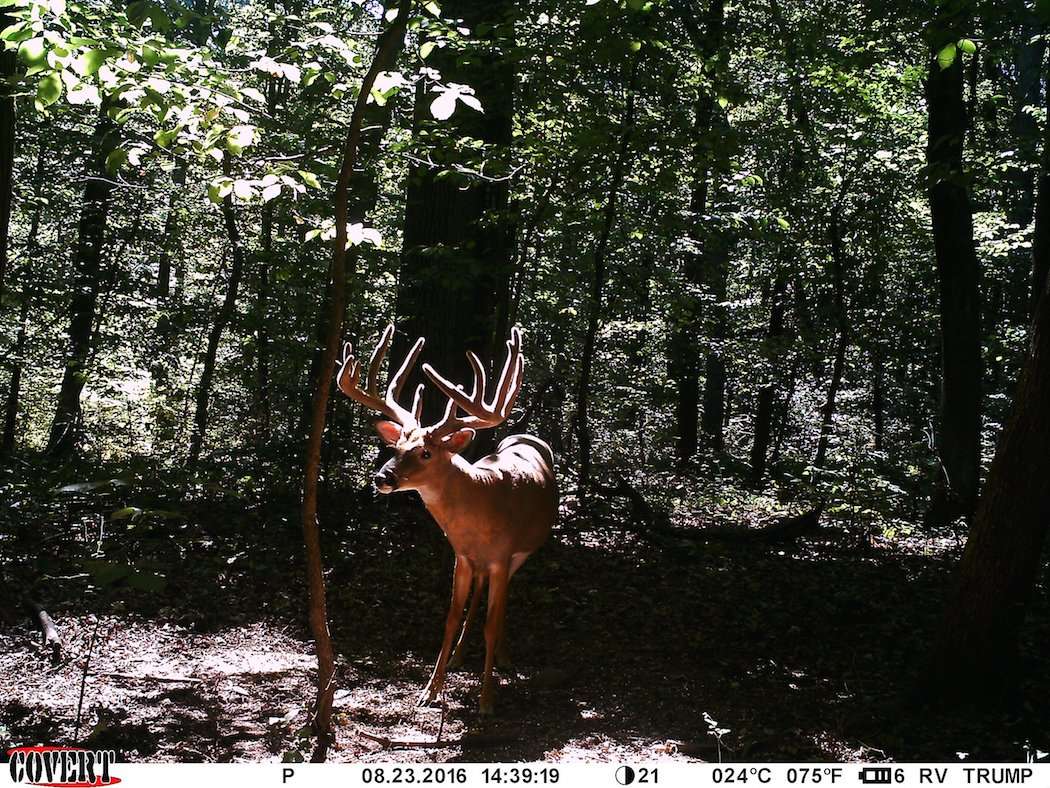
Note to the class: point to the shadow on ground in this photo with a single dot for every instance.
(791, 652)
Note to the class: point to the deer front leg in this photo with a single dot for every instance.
(456, 660)
(499, 576)
(461, 577)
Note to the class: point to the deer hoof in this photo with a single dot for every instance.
(427, 696)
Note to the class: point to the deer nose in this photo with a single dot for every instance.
(385, 480)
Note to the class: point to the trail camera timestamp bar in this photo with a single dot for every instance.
(666, 773)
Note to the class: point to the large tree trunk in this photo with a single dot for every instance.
(767, 394)
(598, 276)
(222, 320)
(959, 430)
(458, 240)
(700, 261)
(977, 652)
(87, 261)
(387, 45)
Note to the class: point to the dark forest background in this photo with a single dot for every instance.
(780, 269)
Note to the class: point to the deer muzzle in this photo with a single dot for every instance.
(385, 480)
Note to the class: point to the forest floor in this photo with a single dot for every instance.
(806, 650)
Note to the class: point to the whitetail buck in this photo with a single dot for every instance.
(495, 512)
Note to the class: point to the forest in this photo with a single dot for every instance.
(760, 287)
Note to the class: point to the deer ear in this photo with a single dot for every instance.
(458, 440)
(388, 431)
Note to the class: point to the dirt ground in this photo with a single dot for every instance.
(623, 650)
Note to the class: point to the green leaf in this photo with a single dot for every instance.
(310, 179)
(127, 513)
(946, 56)
(90, 62)
(19, 31)
(49, 90)
(115, 160)
(967, 46)
(426, 49)
(33, 52)
(635, 46)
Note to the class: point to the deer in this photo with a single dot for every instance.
(495, 512)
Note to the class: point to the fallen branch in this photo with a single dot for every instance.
(651, 522)
(470, 741)
(48, 631)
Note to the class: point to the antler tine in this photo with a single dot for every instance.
(417, 403)
(376, 359)
(397, 382)
(349, 380)
(510, 369)
(481, 414)
(515, 389)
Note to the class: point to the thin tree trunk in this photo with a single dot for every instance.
(222, 320)
(87, 283)
(598, 275)
(7, 444)
(977, 653)
(767, 394)
(1041, 236)
(29, 289)
(838, 268)
(878, 398)
(388, 43)
(262, 335)
(171, 234)
(959, 432)
(8, 66)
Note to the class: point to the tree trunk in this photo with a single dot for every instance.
(458, 237)
(388, 43)
(262, 334)
(1028, 52)
(700, 261)
(598, 275)
(959, 431)
(977, 654)
(14, 393)
(8, 66)
(1041, 236)
(767, 394)
(29, 289)
(838, 367)
(222, 320)
(87, 261)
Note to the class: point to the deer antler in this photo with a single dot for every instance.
(349, 377)
(481, 415)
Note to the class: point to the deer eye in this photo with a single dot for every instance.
(425, 454)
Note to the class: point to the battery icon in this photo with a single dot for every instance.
(876, 775)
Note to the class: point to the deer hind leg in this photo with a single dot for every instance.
(503, 660)
(455, 662)
(461, 579)
(499, 576)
